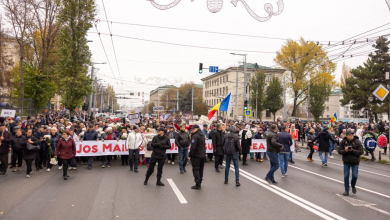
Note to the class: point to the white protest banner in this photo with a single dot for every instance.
(100, 148)
(204, 120)
(8, 113)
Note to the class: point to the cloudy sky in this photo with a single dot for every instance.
(145, 64)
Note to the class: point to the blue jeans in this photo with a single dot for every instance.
(283, 160)
(228, 159)
(290, 156)
(355, 169)
(331, 148)
(258, 155)
(183, 151)
(90, 161)
(326, 156)
(274, 161)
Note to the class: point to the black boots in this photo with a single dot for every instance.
(197, 186)
(346, 193)
(159, 183)
(353, 190)
(146, 180)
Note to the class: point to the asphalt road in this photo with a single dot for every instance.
(308, 192)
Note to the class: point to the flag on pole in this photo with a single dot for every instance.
(222, 107)
(334, 118)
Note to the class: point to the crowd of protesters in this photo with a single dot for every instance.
(49, 140)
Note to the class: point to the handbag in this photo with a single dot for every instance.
(33, 147)
(149, 146)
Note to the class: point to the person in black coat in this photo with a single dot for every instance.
(323, 139)
(17, 144)
(28, 155)
(246, 142)
(197, 155)
(160, 144)
(310, 143)
(232, 136)
(5, 140)
(41, 155)
(217, 137)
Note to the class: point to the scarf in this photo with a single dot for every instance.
(66, 139)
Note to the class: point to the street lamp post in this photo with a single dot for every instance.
(245, 81)
(90, 96)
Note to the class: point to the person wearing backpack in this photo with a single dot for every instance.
(233, 152)
(182, 141)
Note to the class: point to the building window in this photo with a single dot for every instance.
(227, 79)
(327, 108)
(327, 116)
(327, 99)
(268, 78)
(267, 114)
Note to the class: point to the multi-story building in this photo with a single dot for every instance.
(155, 95)
(10, 55)
(217, 86)
(344, 113)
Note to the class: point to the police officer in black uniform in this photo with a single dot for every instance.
(197, 155)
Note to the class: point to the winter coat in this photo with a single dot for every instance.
(323, 139)
(29, 155)
(245, 136)
(134, 141)
(66, 148)
(310, 137)
(286, 140)
(160, 145)
(236, 140)
(5, 144)
(294, 134)
(217, 140)
(42, 144)
(259, 136)
(105, 136)
(18, 143)
(90, 136)
(182, 139)
(351, 157)
(147, 138)
(273, 145)
(198, 145)
(54, 142)
(174, 134)
(205, 133)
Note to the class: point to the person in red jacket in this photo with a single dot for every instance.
(294, 136)
(66, 148)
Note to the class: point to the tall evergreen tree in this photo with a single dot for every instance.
(274, 101)
(75, 18)
(365, 79)
(257, 95)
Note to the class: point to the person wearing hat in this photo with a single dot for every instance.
(197, 155)
(134, 141)
(109, 136)
(350, 148)
(5, 141)
(323, 140)
(160, 144)
(90, 135)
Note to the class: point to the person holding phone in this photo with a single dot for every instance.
(351, 148)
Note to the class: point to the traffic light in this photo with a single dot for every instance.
(245, 105)
(200, 68)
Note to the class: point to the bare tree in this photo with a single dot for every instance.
(19, 15)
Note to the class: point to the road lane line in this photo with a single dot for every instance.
(177, 192)
(294, 196)
(329, 178)
(359, 168)
(323, 213)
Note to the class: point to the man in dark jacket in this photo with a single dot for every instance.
(182, 141)
(217, 137)
(5, 140)
(197, 155)
(273, 148)
(41, 155)
(323, 139)
(233, 136)
(351, 149)
(90, 135)
(285, 139)
(160, 144)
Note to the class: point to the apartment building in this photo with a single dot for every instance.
(155, 95)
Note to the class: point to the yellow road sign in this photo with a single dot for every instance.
(381, 92)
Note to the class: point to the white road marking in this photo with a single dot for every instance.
(357, 202)
(364, 189)
(379, 174)
(177, 192)
(323, 213)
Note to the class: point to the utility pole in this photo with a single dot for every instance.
(166, 103)
(94, 95)
(101, 99)
(235, 105)
(245, 68)
(284, 98)
(308, 99)
(177, 105)
(90, 96)
(192, 100)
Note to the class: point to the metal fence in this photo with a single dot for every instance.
(15, 103)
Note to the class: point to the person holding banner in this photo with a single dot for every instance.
(109, 135)
(134, 141)
(160, 144)
(90, 135)
(197, 155)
